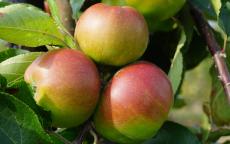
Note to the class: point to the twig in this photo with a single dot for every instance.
(81, 136)
(214, 48)
(66, 15)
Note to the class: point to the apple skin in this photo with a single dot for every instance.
(157, 9)
(112, 35)
(134, 104)
(67, 84)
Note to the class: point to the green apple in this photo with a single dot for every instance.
(112, 35)
(157, 9)
(135, 104)
(67, 84)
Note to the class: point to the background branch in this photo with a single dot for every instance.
(214, 48)
(66, 15)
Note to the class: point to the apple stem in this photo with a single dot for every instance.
(80, 138)
(94, 136)
(214, 48)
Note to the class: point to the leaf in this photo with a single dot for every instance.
(166, 25)
(7, 53)
(3, 83)
(196, 52)
(220, 107)
(13, 68)
(224, 20)
(216, 25)
(2, 3)
(63, 136)
(161, 48)
(114, 2)
(216, 6)
(228, 52)
(29, 26)
(219, 133)
(3, 45)
(18, 123)
(176, 70)
(76, 6)
(173, 133)
(62, 21)
(187, 22)
(207, 7)
(25, 93)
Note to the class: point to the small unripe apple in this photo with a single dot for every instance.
(134, 104)
(157, 9)
(112, 35)
(67, 84)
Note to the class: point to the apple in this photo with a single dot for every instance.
(157, 9)
(67, 84)
(112, 35)
(135, 104)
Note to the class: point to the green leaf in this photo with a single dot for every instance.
(63, 136)
(196, 52)
(2, 3)
(25, 93)
(114, 2)
(176, 70)
(216, 6)
(59, 19)
(219, 32)
(76, 6)
(220, 108)
(173, 133)
(224, 20)
(166, 25)
(228, 52)
(3, 83)
(7, 53)
(3, 45)
(13, 68)
(187, 22)
(29, 26)
(18, 123)
(207, 7)
(161, 48)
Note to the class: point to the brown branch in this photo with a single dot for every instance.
(214, 48)
(66, 15)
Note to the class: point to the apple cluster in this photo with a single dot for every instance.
(135, 102)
